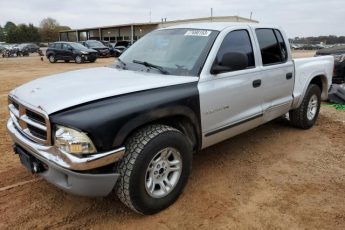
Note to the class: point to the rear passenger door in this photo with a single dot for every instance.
(67, 51)
(277, 72)
(58, 50)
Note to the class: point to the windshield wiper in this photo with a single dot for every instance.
(147, 64)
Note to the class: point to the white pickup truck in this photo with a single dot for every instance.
(133, 127)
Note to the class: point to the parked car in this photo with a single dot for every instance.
(70, 51)
(23, 49)
(102, 50)
(134, 126)
(120, 47)
(2, 46)
(29, 47)
(11, 50)
(339, 62)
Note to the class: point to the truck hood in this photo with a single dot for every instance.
(61, 91)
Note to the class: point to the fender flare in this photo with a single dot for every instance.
(155, 115)
(324, 89)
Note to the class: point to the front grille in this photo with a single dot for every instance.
(35, 117)
(16, 105)
(32, 122)
(37, 132)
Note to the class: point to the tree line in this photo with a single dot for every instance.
(48, 31)
(329, 40)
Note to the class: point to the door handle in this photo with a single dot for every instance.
(288, 76)
(257, 83)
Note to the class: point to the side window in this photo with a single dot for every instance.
(282, 45)
(237, 42)
(57, 46)
(271, 51)
(65, 46)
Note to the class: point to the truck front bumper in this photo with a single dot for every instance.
(65, 170)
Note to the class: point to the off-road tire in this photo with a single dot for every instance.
(141, 147)
(298, 117)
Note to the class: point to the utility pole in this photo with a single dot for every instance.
(150, 15)
(211, 14)
(251, 14)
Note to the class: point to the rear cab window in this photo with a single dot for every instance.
(272, 46)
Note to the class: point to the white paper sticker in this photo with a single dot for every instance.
(200, 33)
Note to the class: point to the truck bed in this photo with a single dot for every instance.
(306, 69)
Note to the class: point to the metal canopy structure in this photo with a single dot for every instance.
(133, 31)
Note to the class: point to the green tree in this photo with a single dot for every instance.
(9, 25)
(33, 33)
(12, 35)
(2, 34)
(23, 33)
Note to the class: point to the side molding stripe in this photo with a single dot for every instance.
(232, 125)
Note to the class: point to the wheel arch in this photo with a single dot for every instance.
(179, 117)
(321, 81)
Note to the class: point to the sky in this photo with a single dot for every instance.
(297, 17)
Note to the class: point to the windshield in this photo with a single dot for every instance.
(78, 46)
(178, 51)
(95, 44)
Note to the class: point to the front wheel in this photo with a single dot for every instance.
(78, 59)
(52, 59)
(306, 114)
(155, 169)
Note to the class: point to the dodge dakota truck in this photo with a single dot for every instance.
(134, 126)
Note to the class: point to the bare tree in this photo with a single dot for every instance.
(49, 29)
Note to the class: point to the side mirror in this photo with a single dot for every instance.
(230, 62)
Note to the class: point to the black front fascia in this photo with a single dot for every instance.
(109, 121)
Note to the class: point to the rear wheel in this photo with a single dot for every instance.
(155, 169)
(52, 58)
(306, 114)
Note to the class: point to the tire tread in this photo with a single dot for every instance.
(134, 147)
(297, 116)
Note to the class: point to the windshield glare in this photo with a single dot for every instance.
(78, 46)
(179, 51)
(95, 44)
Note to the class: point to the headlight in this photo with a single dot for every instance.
(84, 52)
(339, 58)
(72, 141)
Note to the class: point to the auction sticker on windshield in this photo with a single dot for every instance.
(202, 33)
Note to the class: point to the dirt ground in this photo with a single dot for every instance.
(273, 177)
